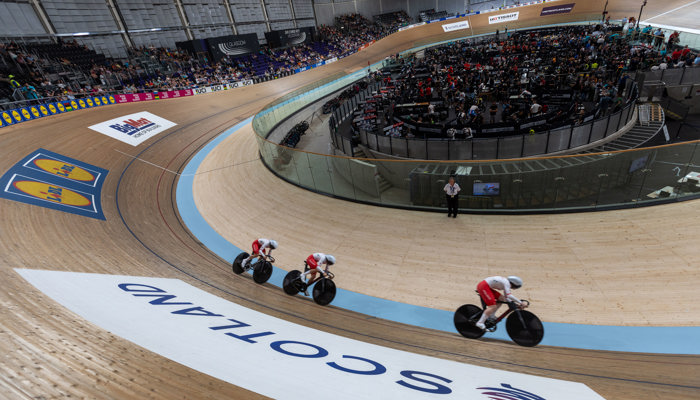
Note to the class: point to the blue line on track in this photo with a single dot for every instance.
(664, 340)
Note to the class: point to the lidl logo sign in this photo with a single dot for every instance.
(53, 193)
(65, 170)
(134, 129)
(44, 110)
(89, 102)
(35, 112)
(51, 180)
(61, 107)
(98, 102)
(82, 103)
(7, 118)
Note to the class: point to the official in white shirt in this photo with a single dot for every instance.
(452, 194)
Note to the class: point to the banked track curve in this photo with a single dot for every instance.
(49, 352)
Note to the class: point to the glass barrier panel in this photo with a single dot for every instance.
(438, 149)
(460, 149)
(400, 147)
(300, 161)
(614, 121)
(485, 149)
(283, 163)
(384, 143)
(363, 177)
(416, 149)
(691, 76)
(321, 173)
(672, 76)
(599, 129)
(580, 135)
(535, 144)
(559, 139)
(510, 147)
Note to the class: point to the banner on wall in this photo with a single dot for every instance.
(173, 94)
(232, 46)
(222, 87)
(133, 97)
(497, 19)
(560, 9)
(289, 37)
(455, 26)
(403, 28)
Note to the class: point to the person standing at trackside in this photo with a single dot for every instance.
(259, 247)
(313, 265)
(487, 291)
(452, 194)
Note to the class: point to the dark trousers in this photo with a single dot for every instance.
(452, 204)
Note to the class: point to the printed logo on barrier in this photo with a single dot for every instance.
(560, 9)
(134, 129)
(89, 102)
(25, 113)
(16, 116)
(35, 112)
(98, 102)
(61, 107)
(7, 118)
(50, 180)
(112, 100)
(508, 392)
(74, 105)
(455, 26)
(82, 103)
(496, 19)
(44, 110)
(53, 193)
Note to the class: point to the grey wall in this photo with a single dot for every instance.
(327, 10)
(19, 19)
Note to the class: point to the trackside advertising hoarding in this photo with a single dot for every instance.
(560, 9)
(497, 19)
(270, 356)
(133, 128)
(455, 26)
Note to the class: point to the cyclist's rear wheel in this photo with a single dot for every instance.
(525, 328)
(465, 320)
(324, 292)
(262, 272)
(236, 266)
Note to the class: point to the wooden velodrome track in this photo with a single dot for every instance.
(610, 262)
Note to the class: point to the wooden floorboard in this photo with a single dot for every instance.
(51, 353)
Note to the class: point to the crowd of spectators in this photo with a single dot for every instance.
(149, 68)
(513, 77)
(162, 69)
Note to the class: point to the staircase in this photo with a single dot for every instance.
(382, 184)
(650, 122)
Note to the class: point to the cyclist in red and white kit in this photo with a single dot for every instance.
(490, 296)
(313, 265)
(259, 247)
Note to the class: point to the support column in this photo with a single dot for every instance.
(119, 20)
(267, 19)
(41, 13)
(229, 12)
(183, 18)
(294, 15)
